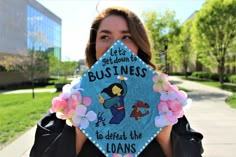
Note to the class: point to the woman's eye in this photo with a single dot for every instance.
(104, 37)
(127, 37)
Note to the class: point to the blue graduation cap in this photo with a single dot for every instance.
(123, 103)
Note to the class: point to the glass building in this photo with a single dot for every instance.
(43, 33)
(26, 26)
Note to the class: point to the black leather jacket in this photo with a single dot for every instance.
(54, 138)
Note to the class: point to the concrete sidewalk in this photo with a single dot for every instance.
(21, 146)
(51, 90)
(208, 114)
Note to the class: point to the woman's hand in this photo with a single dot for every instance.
(80, 138)
(164, 139)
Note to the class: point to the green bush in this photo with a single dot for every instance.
(201, 75)
(214, 76)
(179, 73)
(195, 74)
(205, 75)
(232, 78)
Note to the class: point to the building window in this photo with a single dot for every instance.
(43, 34)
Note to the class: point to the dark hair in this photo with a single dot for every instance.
(108, 90)
(137, 32)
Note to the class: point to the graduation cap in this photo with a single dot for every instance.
(120, 103)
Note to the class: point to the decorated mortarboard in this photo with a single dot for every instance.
(120, 103)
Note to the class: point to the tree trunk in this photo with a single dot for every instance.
(33, 88)
(221, 70)
(32, 72)
(186, 70)
(198, 65)
(234, 66)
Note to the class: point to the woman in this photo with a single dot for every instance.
(55, 138)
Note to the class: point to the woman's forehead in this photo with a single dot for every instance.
(113, 22)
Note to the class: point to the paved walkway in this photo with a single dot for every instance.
(211, 116)
(208, 114)
(27, 91)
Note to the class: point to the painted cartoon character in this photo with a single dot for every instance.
(136, 113)
(115, 103)
(100, 119)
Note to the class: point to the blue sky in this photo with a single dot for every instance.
(77, 16)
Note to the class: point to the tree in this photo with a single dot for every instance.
(162, 29)
(33, 65)
(182, 53)
(68, 68)
(214, 32)
(231, 60)
(54, 65)
(65, 69)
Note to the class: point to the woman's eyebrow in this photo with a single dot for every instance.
(105, 31)
(109, 32)
(125, 31)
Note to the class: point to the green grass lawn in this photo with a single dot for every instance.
(183, 89)
(20, 112)
(46, 87)
(228, 87)
(232, 100)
